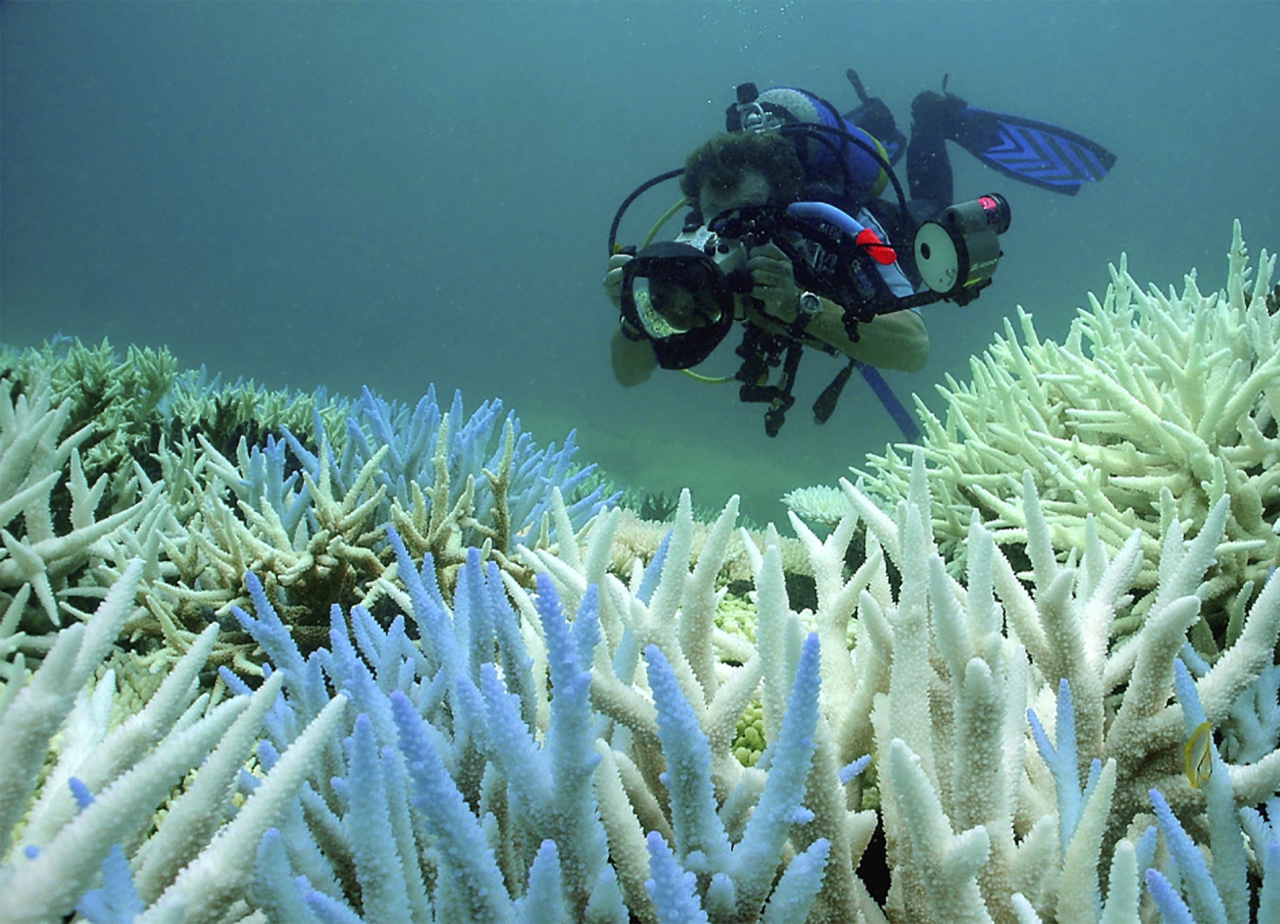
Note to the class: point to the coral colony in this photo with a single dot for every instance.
(270, 657)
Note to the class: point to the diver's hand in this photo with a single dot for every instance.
(773, 282)
(613, 279)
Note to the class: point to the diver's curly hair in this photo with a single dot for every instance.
(721, 161)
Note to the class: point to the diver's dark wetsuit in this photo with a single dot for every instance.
(1026, 150)
(928, 167)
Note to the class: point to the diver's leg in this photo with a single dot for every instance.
(1026, 150)
(933, 121)
(874, 118)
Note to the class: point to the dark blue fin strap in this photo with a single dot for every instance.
(901, 416)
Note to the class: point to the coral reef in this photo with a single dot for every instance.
(309, 518)
(630, 708)
(817, 505)
(453, 683)
(1151, 397)
(139, 402)
(638, 539)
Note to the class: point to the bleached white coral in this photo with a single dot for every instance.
(935, 691)
(964, 805)
(636, 539)
(35, 456)
(1150, 393)
(819, 504)
(51, 849)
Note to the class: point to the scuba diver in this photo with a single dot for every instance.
(788, 233)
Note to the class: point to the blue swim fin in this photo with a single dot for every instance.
(1033, 152)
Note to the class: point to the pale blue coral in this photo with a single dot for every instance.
(409, 437)
(1220, 893)
(543, 782)
(474, 445)
(1187, 889)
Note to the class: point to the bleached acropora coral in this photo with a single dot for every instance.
(934, 691)
(1150, 393)
(635, 715)
(971, 819)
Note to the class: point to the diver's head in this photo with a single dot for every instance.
(752, 188)
(740, 169)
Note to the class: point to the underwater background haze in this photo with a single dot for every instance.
(395, 194)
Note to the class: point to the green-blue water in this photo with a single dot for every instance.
(395, 194)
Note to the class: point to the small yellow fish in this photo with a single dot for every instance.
(1198, 755)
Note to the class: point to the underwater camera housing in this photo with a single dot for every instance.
(958, 253)
(680, 293)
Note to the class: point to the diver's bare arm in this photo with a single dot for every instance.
(633, 360)
(891, 341)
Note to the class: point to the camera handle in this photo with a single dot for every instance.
(760, 352)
